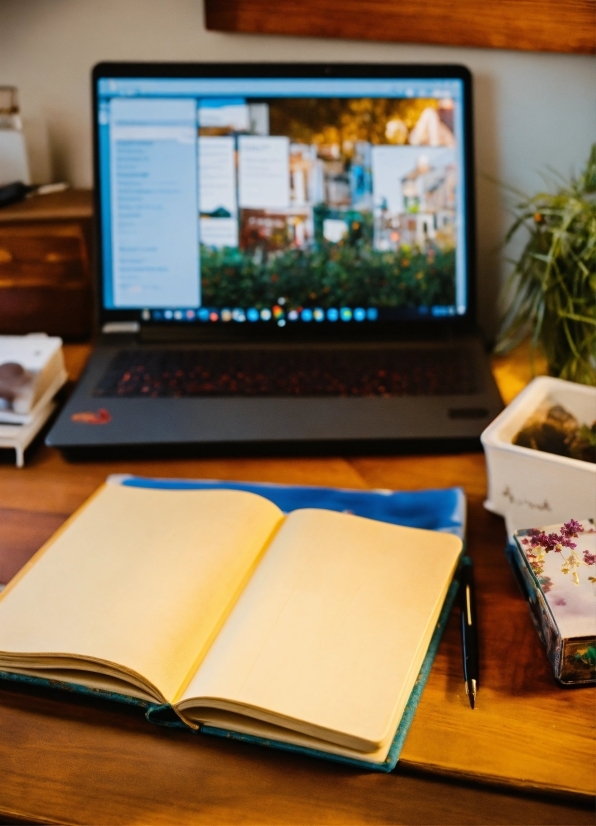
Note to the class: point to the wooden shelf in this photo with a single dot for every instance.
(72, 204)
(531, 25)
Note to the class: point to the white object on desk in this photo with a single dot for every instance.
(19, 436)
(40, 357)
(530, 487)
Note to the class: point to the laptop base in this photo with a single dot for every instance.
(91, 425)
(405, 447)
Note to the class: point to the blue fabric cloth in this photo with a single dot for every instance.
(435, 510)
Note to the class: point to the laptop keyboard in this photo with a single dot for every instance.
(344, 372)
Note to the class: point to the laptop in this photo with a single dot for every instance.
(285, 262)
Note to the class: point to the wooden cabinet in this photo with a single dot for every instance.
(45, 265)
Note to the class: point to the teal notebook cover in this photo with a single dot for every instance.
(440, 510)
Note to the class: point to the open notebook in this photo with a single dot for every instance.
(308, 629)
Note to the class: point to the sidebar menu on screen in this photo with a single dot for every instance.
(154, 209)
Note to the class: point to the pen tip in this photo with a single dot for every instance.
(471, 692)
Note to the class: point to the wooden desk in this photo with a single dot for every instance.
(525, 755)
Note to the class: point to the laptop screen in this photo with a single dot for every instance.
(282, 200)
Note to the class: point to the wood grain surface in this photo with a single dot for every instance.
(535, 25)
(56, 206)
(45, 273)
(525, 755)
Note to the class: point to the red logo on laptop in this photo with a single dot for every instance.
(102, 416)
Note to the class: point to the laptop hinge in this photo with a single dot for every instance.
(120, 327)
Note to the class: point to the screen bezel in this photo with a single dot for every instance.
(392, 330)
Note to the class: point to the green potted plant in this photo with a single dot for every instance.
(553, 284)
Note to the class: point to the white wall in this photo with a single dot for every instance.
(532, 110)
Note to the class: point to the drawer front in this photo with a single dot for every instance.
(59, 312)
(39, 274)
(48, 253)
(45, 283)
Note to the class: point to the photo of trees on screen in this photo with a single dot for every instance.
(327, 202)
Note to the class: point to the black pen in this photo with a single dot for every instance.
(469, 632)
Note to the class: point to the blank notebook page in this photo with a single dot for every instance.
(333, 626)
(140, 578)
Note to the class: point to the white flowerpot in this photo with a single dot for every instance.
(529, 487)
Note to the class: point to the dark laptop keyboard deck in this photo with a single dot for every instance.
(347, 372)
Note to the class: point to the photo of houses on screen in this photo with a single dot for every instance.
(328, 202)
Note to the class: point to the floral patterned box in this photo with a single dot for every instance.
(556, 569)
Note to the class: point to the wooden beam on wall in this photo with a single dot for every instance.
(532, 25)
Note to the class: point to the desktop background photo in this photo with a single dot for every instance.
(311, 203)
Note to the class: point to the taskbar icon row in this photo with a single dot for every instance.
(277, 314)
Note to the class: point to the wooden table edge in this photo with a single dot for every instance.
(11, 817)
(69, 205)
(497, 782)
